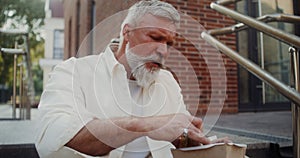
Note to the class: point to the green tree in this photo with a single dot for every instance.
(21, 14)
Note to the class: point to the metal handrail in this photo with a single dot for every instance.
(250, 22)
(294, 53)
(291, 93)
(227, 2)
(14, 32)
(254, 68)
(266, 18)
(15, 53)
(29, 88)
(276, 33)
(249, 65)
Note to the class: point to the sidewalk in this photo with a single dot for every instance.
(246, 128)
(16, 131)
(254, 128)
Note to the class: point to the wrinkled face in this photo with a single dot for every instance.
(147, 47)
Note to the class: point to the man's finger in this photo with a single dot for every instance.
(199, 136)
(197, 122)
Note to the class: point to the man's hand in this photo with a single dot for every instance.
(191, 143)
(170, 127)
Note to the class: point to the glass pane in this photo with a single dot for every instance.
(58, 46)
(276, 56)
(244, 96)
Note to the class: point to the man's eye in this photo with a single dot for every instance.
(162, 39)
(156, 38)
(170, 44)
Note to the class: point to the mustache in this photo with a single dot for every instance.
(153, 58)
(160, 65)
(159, 62)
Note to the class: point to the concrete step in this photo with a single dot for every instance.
(18, 151)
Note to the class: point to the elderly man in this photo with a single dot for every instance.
(119, 104)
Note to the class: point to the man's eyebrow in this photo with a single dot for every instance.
(169, 37)
(164, 31)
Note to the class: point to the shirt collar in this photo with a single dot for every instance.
(111, 60)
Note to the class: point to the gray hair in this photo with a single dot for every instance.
(153, 7)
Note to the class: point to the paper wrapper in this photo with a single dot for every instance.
(218, 150)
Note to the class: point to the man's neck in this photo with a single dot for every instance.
(121, 57)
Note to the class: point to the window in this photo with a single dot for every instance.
(267, 52)
(58, 45)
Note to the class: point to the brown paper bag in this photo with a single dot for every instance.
(218, 150)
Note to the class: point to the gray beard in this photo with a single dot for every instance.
(143, 76)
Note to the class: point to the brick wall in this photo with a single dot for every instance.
(206, 62)
(77, 14)
(70, 12)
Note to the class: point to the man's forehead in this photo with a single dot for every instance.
(154, 22)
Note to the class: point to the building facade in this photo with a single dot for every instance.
(54, 37)
(219, 80)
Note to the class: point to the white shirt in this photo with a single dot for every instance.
(97, 86)
(139, 147)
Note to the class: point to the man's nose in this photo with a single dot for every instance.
(162, 49)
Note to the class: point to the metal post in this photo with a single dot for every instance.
(297, 107)
(14, 87)
(30, 87)
(21, 104)
(262, 53)
(294, 53)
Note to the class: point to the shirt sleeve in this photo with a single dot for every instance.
(59, 107)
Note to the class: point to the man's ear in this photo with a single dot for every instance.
(126, 29)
